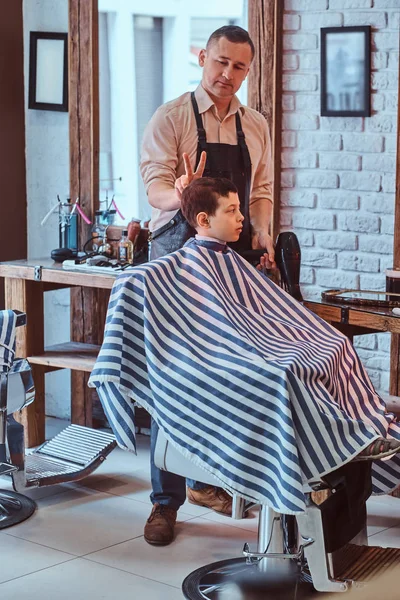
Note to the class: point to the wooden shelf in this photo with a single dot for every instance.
(71, 355)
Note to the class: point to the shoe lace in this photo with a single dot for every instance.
(162, 509)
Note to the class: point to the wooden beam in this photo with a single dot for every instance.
(87, 306)
(84, 108)
(265, 81)
(394, 387)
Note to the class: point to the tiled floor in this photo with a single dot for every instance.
(86, 540)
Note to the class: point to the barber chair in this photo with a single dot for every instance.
(69, 456)
(323, 550)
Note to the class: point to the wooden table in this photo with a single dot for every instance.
(26, 281)
(359, 320)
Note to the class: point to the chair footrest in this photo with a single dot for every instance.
(70, 455)
(362, 563)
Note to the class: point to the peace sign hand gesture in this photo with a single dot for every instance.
(189, 176)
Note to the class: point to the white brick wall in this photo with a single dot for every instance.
(338, 174)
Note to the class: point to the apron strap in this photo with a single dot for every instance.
(201, 132)
(241, 138)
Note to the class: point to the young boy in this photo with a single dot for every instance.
(212, 207)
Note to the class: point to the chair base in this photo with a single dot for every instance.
(14, 508)
(234, 578)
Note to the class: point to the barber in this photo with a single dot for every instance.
(211, 130)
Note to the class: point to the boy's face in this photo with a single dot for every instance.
(226, 224)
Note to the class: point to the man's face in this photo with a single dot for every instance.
(225, 67)
(226, 224)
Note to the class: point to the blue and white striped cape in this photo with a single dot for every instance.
(244, 380)
(8, 320)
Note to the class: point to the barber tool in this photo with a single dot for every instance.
(107, 212)
(61, 254)
(287, 257)
(114, 204)
(80, 211)
(67, 228)
(51, 211)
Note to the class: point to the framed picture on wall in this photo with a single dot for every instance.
(48, 71)
(345, 71)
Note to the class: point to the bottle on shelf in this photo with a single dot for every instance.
(134, 231)
(98, 231)
(125, 249)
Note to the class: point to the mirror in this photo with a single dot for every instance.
(147, 56)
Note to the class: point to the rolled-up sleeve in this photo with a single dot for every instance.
(159, 156)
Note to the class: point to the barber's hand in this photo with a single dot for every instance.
(264, 240)
(184, 180)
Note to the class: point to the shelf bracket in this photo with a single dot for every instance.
(37, 273)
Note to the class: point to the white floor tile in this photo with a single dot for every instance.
(383, 513)
(19, 557)
(81, 521)
(389, 538)
(36, 493)
(198, 542)
(250, 523)
(81, 579)
(86, 538)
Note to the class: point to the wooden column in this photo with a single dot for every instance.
(87, 305)
(394, 389)
(84, 108)
(265, 80)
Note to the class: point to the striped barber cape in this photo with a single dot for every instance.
(244, 380)
(8, 321)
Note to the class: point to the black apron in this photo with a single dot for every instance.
(223, 160)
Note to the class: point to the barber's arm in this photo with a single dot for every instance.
(261, 203)
(159, 164)
(159, 161)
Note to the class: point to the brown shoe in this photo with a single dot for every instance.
(211, 497)
(159, 528)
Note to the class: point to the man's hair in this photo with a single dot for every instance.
(233, 34)
(202, 196)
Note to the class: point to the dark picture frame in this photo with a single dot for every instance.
(346, 71)
(48, 71)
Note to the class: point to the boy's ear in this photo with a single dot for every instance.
(202, 220)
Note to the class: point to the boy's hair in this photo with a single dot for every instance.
(233, 34)
(202, 196)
